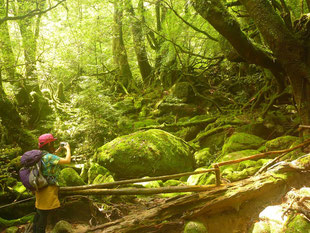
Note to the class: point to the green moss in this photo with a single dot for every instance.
(195, 227)
(69, 177)
(12, 230)
(15, 222)
(146, 153)
(242, 141)
(100, 179)
(281, 143)
(172, 183)
(298, 225)
(203, 157)
(95, 170)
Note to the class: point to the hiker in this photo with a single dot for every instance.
(47, 197)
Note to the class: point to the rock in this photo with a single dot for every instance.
(151, 184)
(95, 170)
(195, 227)
(201, 179)
(69, 177)
(242, 141)
(172, 183)
(204, 157)
(281, 143)
(100, 179)
(146, 153)
(62, 227)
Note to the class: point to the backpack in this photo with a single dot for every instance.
(31, 172)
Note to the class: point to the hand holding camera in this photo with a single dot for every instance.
(65, 145)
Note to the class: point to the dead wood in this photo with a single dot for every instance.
(132, 181)
(233, 197)
(139, 191)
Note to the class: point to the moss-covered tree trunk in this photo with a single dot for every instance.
(289, 57)
(118, 46)
(139, 45)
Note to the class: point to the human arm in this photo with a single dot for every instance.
(67, 159)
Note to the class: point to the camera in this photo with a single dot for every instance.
(62, 144)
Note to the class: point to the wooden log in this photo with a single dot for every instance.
(131, 181)
(139, 191)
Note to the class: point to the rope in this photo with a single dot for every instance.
(14, 203)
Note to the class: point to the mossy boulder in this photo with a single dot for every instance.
(203, 157)
(214, 138)
(195, 227)
(172, 183)
(70, 177)
(298, 224)
(95, 170)
(62, 227)
(238, 155)
(201, 179)
(146, 153)
(281, 143)
(242, 141)
(100, 179)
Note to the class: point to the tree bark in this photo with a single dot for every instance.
(118, 46)
(138, 39)
(289, 52)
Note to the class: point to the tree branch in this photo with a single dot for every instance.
(29, 14)
(189, 24)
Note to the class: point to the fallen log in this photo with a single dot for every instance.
(132, 181)
(225, 208)
(139, 191)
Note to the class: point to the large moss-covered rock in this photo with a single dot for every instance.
(69, 177)
(242, 141)
(146, 153)
(195, 227)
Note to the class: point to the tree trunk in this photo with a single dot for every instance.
(119, 50)
(289, 52)
(138, 39)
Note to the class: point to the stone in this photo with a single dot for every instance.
(195, 227)
(281, 143)
(62, 227)
(203, 157)
(95, 170)
(69, 177)
(242, 141)
(146, 153)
